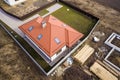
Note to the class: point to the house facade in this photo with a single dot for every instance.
(13, 2)
(50, 36)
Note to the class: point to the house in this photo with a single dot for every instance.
(13, 2)
(50, 35)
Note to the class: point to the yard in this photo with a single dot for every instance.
(75, 19)
(29, 7)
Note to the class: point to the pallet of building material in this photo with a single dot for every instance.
(83, 55)
(102, 72)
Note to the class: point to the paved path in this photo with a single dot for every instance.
(53, 9)
(13, 22)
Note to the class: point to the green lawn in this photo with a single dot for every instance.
(75, 19)
(29, 49)
(43, 12)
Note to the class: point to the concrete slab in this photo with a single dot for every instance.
(52, 9)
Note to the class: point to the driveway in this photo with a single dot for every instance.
(13, 22)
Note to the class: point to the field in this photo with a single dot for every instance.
(75, 19)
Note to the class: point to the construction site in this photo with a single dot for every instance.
(98, 58)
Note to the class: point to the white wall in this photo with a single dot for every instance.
(13, 2)
(56, 55)
(51, 58)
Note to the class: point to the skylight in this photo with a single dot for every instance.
(39, 36)
(30, 28)
(57, 40)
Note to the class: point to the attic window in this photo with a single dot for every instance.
(30, 28)
(39, 36)
(57, 40)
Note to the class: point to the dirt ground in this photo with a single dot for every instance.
(25, 7)
(112, 3)
(15, 65)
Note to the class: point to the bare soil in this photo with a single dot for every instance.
(112, 3)
(75, 73)
(25, 7)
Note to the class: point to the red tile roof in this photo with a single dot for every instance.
(53, 37)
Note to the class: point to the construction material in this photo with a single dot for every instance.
(84, 54)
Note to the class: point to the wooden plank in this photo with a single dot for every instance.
(84, 54)
(81, 51)
(101, 72)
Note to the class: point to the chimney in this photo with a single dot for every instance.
(44, 24)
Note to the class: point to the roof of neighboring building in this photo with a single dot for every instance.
(53, 36)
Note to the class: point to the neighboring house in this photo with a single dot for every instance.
(50, 35)
(13, 2)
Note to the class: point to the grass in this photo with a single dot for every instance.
(43, 12)
(29, 49)
(75, 19)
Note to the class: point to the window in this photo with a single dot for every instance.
(39, 36)
(59, 51)
(30, 28)
(57, 40)
(16, 0)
